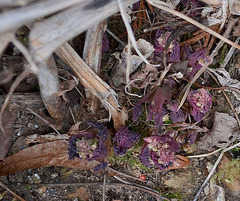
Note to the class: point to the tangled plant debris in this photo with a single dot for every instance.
(162, 66)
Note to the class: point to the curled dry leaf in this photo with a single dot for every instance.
(40, 139)
(93, 83)
(145, 76)
(224, 132)
(119, 75)
(226, 81)
(213, 2)
(234, 6)
(180, 162)
(43, 155)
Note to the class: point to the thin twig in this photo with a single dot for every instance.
(123, 174)
(163, 74)
(44, 120)
(12, 89)
(212, 170)
(142, 188)
(104, 187)
(26, 54)
(10, 191)
(71, 113)
(204, 155)
(116, 38)
(229, 54)
(130, 32)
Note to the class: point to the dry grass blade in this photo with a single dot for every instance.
(130, 32)
(93, 83)
(160, 5)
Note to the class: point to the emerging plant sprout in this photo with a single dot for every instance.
(176, 115)
(89, 145)
(156, 100)
(200, 102)
(124, 140)
(159, 151)
(197, 59)
(173, 49)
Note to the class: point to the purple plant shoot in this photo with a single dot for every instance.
(156, 100)
(161, 43)
(124, 140)
(159, 151)
(200, 102)
(89, 145)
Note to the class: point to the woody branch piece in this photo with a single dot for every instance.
(92, 55)
(93, 83)
(46, 36)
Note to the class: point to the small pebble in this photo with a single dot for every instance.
(36, 178)
(42, 190)
(54, 175)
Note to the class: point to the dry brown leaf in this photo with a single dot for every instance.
(145, 76)
(8, 119)
(43, 155)
(119, 74)
(80, 193)
(67, 86)
(224, 132)
(180, 162)
(40, 139)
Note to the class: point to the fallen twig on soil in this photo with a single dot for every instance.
(93, 83)
(213, 169)
(139, 187)
(15, 18)
(44, 120)
(9, 95)
(10, 191)
(104, 187)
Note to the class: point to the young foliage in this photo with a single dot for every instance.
(124, 140)
(89, 145)
(200, 102)
(159, 151)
